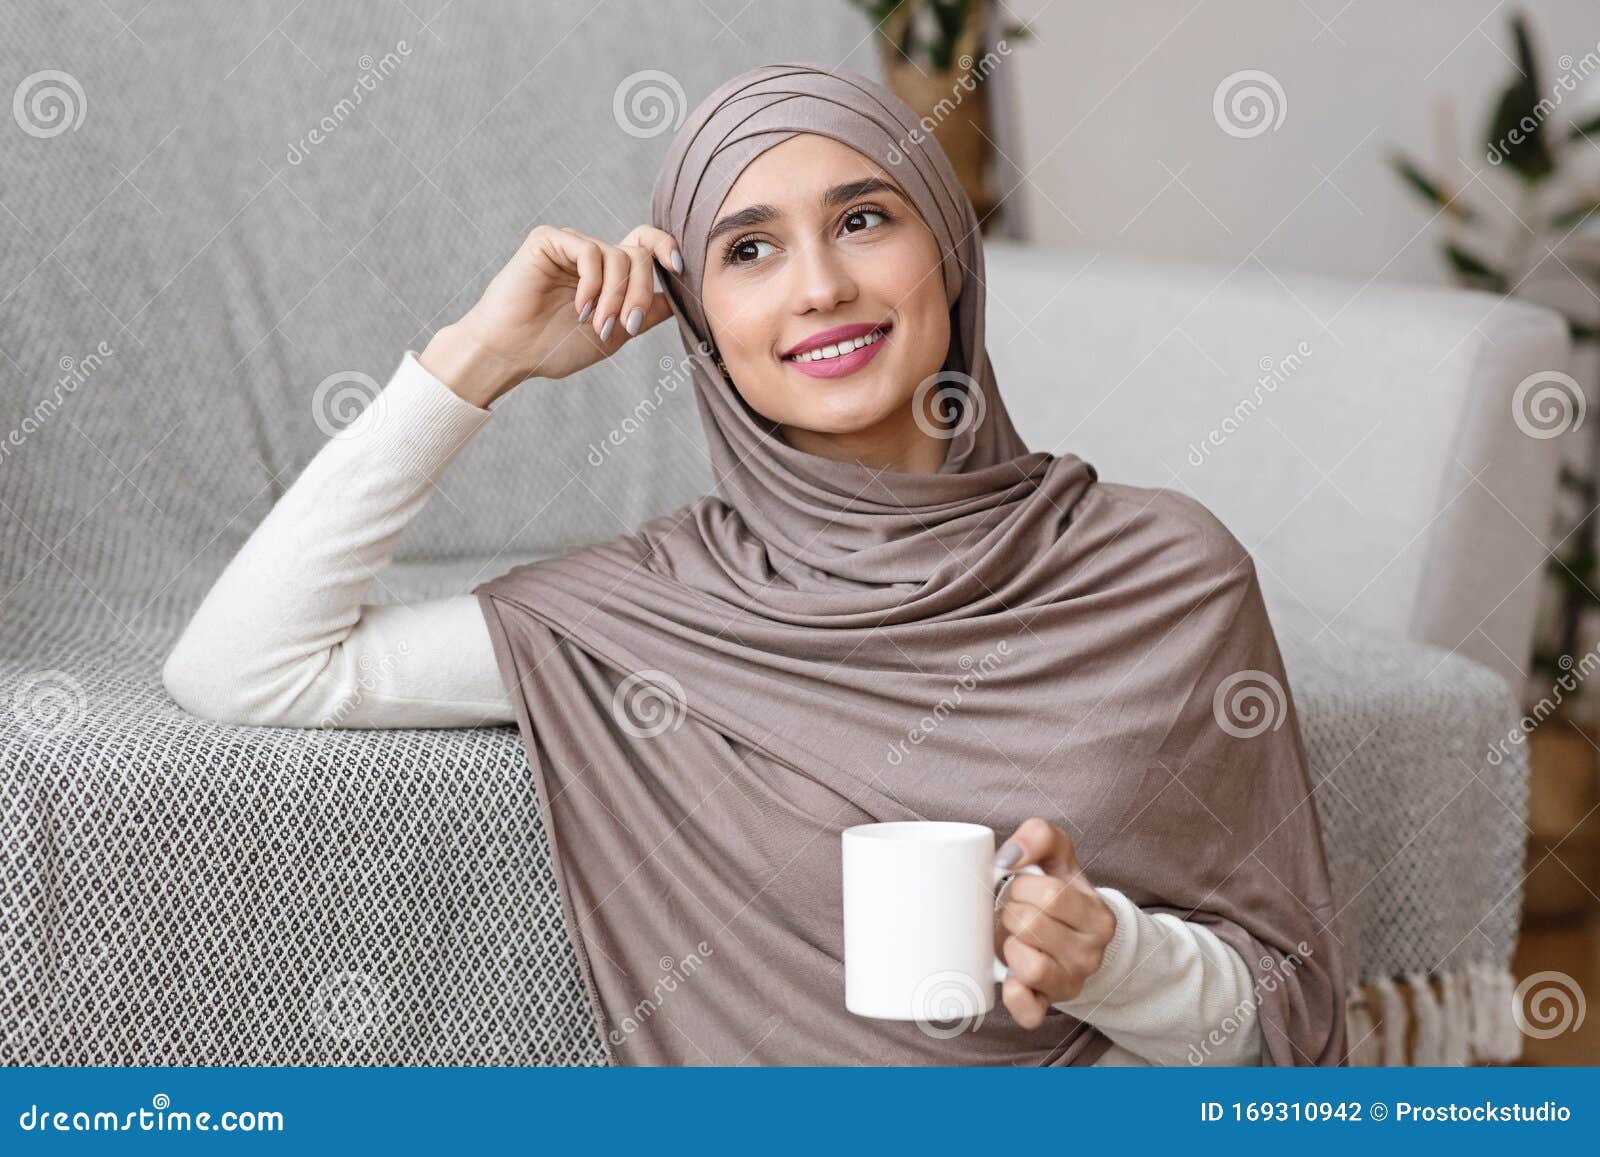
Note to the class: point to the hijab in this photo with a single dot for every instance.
(708, 701)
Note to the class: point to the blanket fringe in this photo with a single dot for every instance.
(1426, 1045)
(1460, 1016)
(1457, 1028)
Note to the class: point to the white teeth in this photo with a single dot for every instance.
(833, 351)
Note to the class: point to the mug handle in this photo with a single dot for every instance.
(1001, 971)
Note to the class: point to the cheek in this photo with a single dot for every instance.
(919, 294)
(746, 327)
(929, 328)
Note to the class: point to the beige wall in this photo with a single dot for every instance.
(1124, 152)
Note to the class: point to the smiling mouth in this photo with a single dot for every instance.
(842, 349)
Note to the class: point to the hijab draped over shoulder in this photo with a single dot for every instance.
(707, 702)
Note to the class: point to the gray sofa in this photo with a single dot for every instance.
(191, 273)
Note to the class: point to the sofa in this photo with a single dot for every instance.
(225, 235)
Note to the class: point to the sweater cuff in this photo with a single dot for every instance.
(416, 420)
(416, 378)
(1115, 964)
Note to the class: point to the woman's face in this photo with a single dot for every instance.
(800, 247)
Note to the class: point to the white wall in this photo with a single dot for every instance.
(1125, 154)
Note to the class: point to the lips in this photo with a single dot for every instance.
(839, 333)
(848, 357)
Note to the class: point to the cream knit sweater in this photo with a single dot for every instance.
(284, 639)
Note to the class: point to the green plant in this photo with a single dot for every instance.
(1522, 140)
(931, 29)
(1519, 137)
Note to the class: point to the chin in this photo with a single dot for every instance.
(848, 412)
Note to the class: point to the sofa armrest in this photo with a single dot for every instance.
(1358, 438)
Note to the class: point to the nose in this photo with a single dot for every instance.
(822, 279)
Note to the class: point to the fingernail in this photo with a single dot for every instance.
(588, 308)
(635, 318)
(677, 261)
(1010, 852)
(605, 330)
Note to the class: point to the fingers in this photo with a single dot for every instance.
(576, 252)
(608, 306)
(1027, 1004)
(618, 283)
(1044, 844)
(641, 290)
(661, 244)
(1065, 920)
(1074, 956)
(1073, 902)
(1035, 928)
(660, 309)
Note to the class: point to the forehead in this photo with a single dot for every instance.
(797, 172)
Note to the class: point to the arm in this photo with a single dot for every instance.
(1169, 992)
(283, 638)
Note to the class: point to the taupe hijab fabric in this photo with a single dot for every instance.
(709, 701)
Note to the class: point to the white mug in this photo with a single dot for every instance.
(919, 899)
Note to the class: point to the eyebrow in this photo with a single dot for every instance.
(838, 195)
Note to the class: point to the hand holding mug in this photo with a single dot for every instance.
(1052, 928)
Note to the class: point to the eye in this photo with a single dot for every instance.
(734, 253)
(864, 211)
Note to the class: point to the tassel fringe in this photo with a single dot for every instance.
(1458, 1017)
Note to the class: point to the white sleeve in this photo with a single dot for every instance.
(1169, 992)
(283, 638)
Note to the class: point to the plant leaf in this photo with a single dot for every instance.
(1574, 214)
(1472, 270)
(1419, 181)
(1516, 131)
(1582, 330)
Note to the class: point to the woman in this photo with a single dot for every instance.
(708, 701)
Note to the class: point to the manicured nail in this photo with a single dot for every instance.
(635, 319)
(1010, 852)
(605, 330)
(588, 308)
(677, 261)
